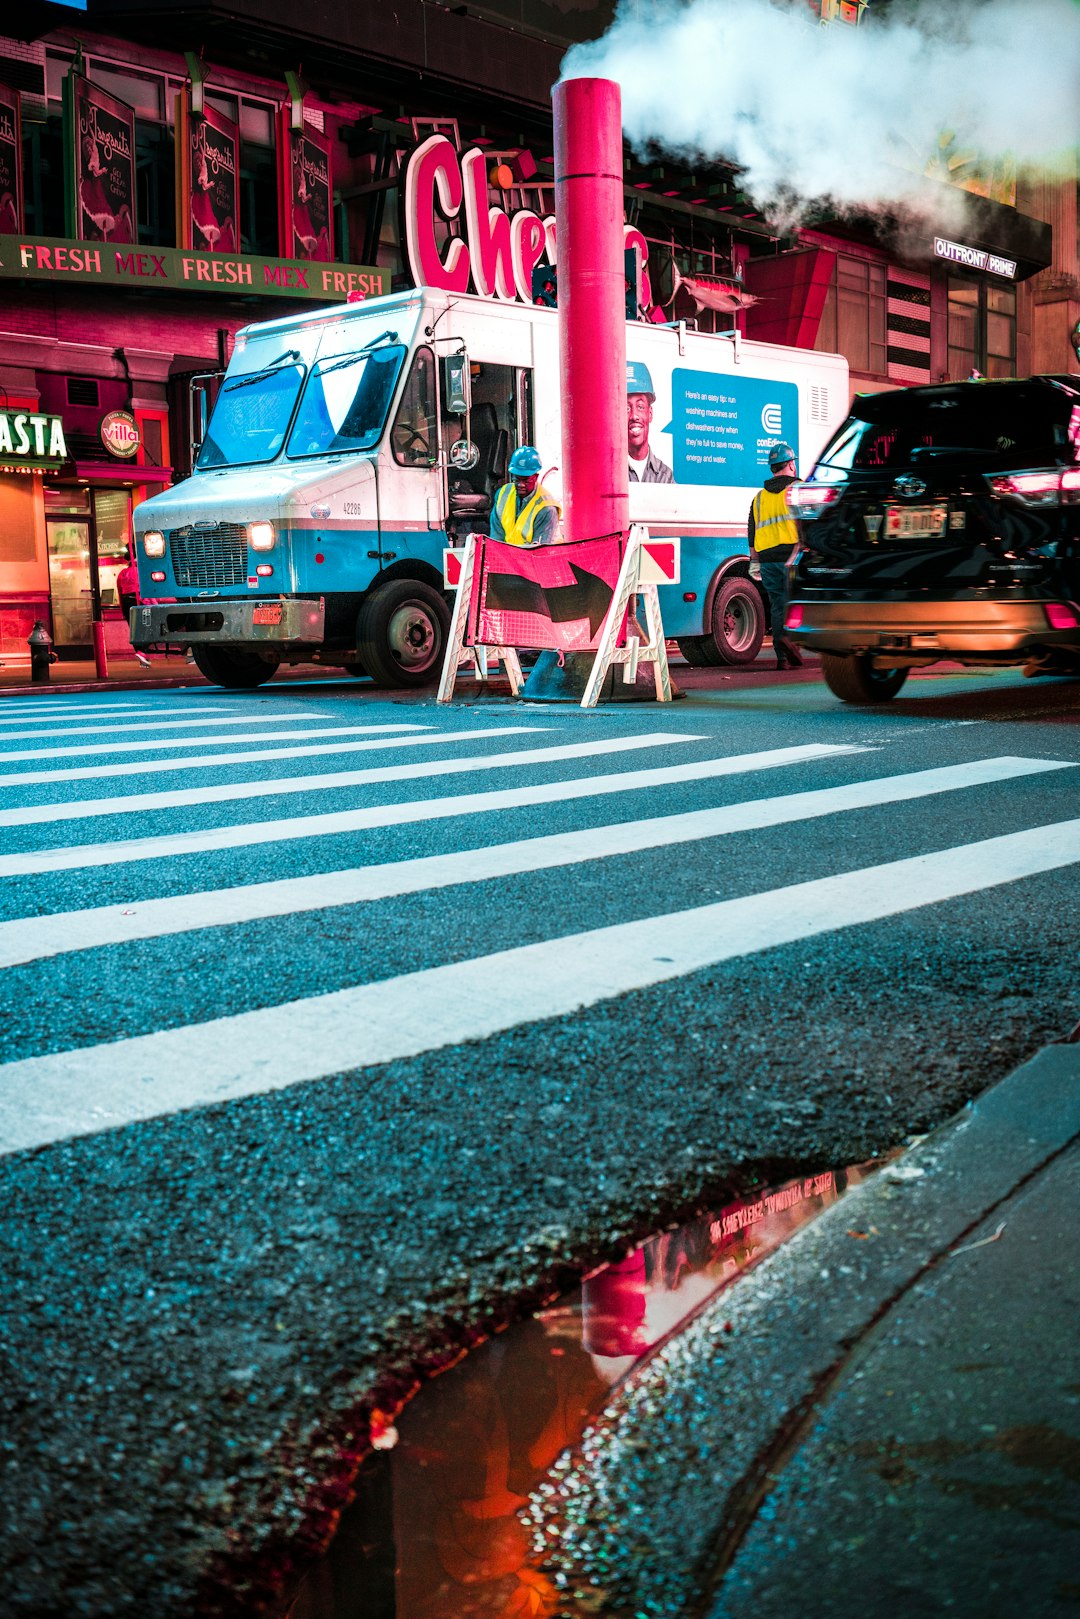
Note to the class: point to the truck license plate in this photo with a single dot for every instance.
(915, 522)
(268, 615)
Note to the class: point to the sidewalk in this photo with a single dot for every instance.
(885, 1414)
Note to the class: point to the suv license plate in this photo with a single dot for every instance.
(267, 615)
(915, 522)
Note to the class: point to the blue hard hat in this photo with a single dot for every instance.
(780, 455)
(638, 380)
(525, 462)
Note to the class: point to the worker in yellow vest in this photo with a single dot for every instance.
(773, 535)
(524, 513)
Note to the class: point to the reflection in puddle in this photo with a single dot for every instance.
(434, 1530)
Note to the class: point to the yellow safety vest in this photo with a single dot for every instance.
(518, 525)
(773, 522)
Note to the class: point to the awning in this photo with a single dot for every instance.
(129, 473)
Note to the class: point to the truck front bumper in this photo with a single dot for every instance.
(296, 621)
(925, 631)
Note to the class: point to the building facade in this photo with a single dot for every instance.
(174, 169)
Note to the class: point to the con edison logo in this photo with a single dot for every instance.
(772, 419)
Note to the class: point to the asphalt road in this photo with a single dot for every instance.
(271, 1144)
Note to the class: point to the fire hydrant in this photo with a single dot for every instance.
(41, 654)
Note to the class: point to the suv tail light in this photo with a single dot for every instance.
(1049, 488)
(1062, 616)
(809, 500)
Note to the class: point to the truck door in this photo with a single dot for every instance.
(412, 481)
(481, 427)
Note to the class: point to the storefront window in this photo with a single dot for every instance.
(982, 329)
(853, 321)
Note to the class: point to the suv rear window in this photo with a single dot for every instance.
(1014, 425)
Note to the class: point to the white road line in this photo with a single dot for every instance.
(147, 743)
(122, 724)
(32, 938)
(210, 761)
(184, 798)
(71, 1093)
(250, 833)
(67, 711)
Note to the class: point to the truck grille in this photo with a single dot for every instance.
(209, 554)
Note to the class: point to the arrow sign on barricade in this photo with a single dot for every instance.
(561, 598)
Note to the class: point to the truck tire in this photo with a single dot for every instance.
(696, 650)
(355, 668)
(235, 669)
(401, 633)
(854, 679)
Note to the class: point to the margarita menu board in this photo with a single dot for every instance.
(207, 173)
(305, 192)
(10, 162)
(99, 145)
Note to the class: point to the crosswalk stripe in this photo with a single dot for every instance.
(146, 744)
(76, 1092)
(82, 809)
(33, 938)
(210, 761)
(246, 835)
(66, 711)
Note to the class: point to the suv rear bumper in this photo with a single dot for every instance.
(231, 623)
(927, 630)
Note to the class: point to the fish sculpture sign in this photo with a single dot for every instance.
(456, 239)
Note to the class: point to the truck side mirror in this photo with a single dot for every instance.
(457, 393)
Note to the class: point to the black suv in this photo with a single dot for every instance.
(942, 522)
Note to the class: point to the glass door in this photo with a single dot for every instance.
(71, 578)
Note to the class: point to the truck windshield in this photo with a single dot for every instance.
(345, 402)
(251, 417)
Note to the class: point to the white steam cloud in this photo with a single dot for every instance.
(844, 113)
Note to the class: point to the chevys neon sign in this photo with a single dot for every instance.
(498, 252)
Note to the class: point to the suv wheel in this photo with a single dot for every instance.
(855, 680)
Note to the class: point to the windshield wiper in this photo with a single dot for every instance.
(361, 354)
(260, 376)
(950, 449)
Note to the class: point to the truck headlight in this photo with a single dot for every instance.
(261, 536)
(153, 543)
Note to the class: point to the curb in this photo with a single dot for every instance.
(665, 1481)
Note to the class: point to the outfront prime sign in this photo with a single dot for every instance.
(973, 258)
(45, 258)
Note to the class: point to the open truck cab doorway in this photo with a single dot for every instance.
(346, 449)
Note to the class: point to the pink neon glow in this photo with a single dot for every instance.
(592, 307)
(1062, 616)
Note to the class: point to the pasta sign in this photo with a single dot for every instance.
(496, 252)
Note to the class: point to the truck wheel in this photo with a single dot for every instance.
(698, 650)
(738, 622)
(237, 670)
(401, 633)
(855, 680)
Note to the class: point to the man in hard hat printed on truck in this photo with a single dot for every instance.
(524, 513)
(645, 465)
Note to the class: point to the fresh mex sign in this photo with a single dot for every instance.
(493, 253)
(29, 442)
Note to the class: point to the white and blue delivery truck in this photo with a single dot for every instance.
(348, 447)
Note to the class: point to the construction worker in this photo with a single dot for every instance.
(773, 534)
(524, 513)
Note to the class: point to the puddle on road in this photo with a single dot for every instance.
(434, 1531)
